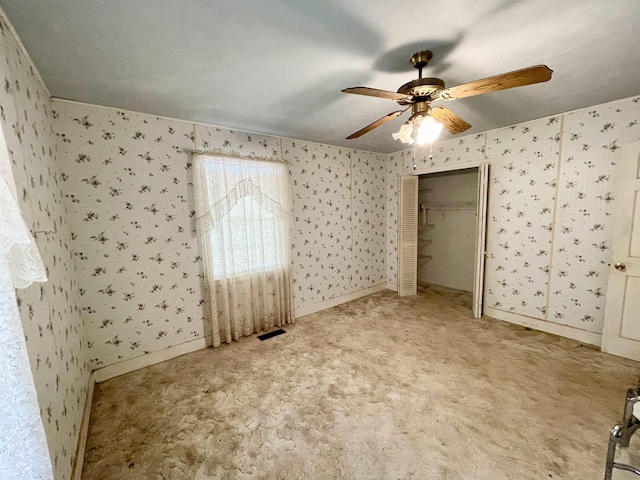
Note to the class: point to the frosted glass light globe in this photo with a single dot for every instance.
(428, 130)
(404, 135)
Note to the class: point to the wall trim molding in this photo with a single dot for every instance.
(554, 225)
(449, 167)
(76, 472)
(392, 286)
(583, 336)
(317, 307)
(159, 356)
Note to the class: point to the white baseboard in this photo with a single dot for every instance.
(76, 473)
(543, 325)
(392, 286)
(317, 307)
(152, 358)
(133, 364)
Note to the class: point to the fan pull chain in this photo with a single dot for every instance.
(414, 156)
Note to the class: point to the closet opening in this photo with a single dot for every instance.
(442, 231)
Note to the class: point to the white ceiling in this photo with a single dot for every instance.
(277, 66)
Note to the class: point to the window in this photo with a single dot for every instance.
(243, 215)
(249, 229)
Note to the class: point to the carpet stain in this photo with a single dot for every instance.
(378, 388)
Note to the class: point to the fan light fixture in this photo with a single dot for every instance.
(427, 130)
(405, 134)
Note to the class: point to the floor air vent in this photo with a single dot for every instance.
(275, 333)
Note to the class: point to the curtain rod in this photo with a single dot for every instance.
(222, 153)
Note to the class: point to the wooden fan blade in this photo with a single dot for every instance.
(452, 122)
(376, 124)
(374, 92)
(518, 78)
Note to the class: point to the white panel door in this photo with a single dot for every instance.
(408, 236)
(481, 239)
(621, 334)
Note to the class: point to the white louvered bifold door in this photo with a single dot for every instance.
(408, 236)
(481, 239)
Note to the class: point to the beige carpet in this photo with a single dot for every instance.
(378, 388)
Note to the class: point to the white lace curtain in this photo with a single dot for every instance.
(243, 218)
(23, 446)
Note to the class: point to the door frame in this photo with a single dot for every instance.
(445, 168)
(452, 168)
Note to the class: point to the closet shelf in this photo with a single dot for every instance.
(424, 257)
(425, 241)
(424, 227)
(453, 206)
(425, 190)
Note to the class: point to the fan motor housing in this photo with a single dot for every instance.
(422, 87)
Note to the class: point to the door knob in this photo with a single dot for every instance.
(621, 267)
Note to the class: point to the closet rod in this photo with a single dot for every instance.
(452, 206)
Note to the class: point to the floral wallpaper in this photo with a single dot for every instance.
(322, 217)
(395, 165)
(108, 195)
(208, 137)
(585, 210)
(550, 213)
(448, 152)
(368, 203)
(338, 206)
(49, 311)
(524, 161)
(128, 184)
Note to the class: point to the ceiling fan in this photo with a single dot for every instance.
(427, 121)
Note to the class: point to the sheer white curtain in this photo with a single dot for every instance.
(23, 446)
(243, 211)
